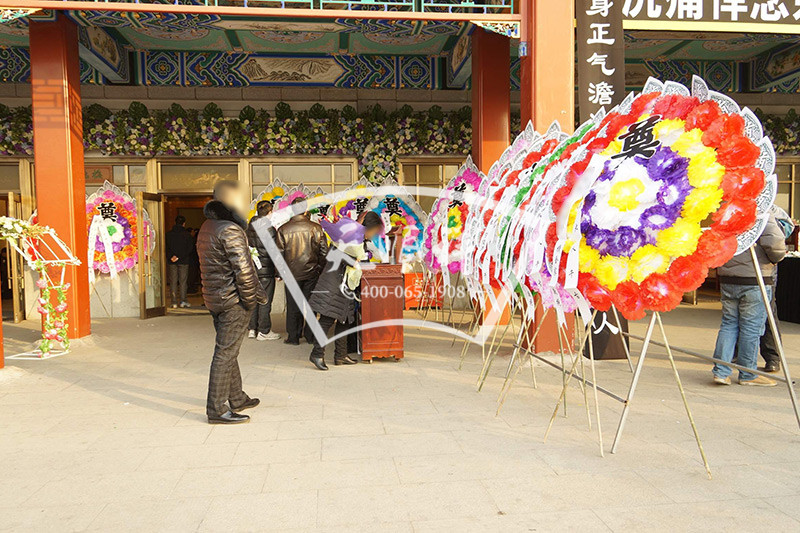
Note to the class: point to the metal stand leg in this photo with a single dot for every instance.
(634, 382)
(569, 376)
(774, 327)
(594, 386)
(683, 395)
(624, 340)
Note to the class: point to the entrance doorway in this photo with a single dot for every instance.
(191, 208)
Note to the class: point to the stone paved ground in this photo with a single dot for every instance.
(112, 437)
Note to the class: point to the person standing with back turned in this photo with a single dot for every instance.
(231, 291)
(304, 247)
(180, 251)
(261, 321)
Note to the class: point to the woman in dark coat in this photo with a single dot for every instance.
(334, 296)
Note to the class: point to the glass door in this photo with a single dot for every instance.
(150, 242)
(16, 263)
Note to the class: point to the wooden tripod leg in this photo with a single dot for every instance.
(624, 339)
(569, 377)
(596, 398)
(634, 381)
(683, 394)
(773, 325)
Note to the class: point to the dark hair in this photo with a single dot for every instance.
(298, 205)
(372, 220)
(264, 207)
(180, 220)
(223, 186)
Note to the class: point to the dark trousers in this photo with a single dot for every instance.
(225, 380)
(260, 320)
(178, 281)
(767, 344)
(295, 323)
(340, 344)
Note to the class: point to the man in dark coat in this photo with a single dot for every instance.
(334, 295)
(261, 322)
(180, 250)
(304, 247)
(231, 291)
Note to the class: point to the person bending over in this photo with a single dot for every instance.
(334, 295)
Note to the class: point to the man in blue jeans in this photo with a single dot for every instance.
(743, 311)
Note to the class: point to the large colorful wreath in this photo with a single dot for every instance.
(113, 224)
(641, 202)
(395, 204)
(443, 234)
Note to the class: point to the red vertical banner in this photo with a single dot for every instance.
(601, 55)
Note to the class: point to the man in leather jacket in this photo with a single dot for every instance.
(231, 291)
(304, 247)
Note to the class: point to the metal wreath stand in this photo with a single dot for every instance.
(655, 318)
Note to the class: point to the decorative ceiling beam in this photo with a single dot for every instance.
(509, 29)
(277, 12)
(100, 50)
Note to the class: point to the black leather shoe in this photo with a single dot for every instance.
(772, 366)
(229, 418)
(293, 343)
(252, 402)
(346, 360)
(318, 362)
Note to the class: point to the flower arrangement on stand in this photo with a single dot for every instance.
(46, 254)
(443, 233)
(112, 220)
(394, 204)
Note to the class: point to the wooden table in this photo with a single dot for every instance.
(382, 292)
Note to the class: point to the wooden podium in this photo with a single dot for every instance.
(382, 298)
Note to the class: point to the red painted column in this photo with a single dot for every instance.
(548, 94)
(58, 152)
(491, 97)
(491, 110)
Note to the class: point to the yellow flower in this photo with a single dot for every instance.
(278, 191)
(668, 127)
(611, 271)
(613, 148)
(700, 203)
(689, 143)
(680, 239)
(704, 170)
(623, 195)
(646, 260)
(588, 257)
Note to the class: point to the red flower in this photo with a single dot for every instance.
(628, 300)
(659, 293)
(713, 248)
(737, 151)
(743, 183)
(597, 295)
(702, 116)
(735, 216)
(687, 273)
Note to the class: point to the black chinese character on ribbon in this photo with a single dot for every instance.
(108, 210)
(458, 196)
(360, 204)
(639, 140)
(392, 205)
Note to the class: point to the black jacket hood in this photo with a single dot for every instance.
(216, 210)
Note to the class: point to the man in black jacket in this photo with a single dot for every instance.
(260, 321)
(180, 250)
(304, 247)
(231, 291)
